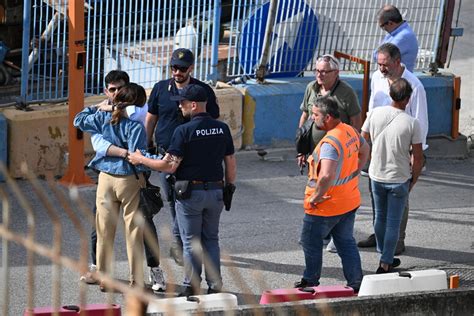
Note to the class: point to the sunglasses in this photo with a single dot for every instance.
(113, 89)
(384, 24)
(179, 68)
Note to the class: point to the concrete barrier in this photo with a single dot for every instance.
(40, 139)
(271, 111)
(447, 302)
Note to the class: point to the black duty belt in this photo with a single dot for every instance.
(207, 185)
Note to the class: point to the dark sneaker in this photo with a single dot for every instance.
(212, 291)
(188, 291)
(303, 283)
(400, 248)
(381, 270)
(396, 262)
(369, 242)
(176, 253)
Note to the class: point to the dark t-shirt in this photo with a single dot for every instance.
(203, 142)
(168, 112)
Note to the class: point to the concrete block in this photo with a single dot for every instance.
(3, 143)
(230, 103)
(39, 138)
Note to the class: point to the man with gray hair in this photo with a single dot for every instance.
(327, 84)
(399, 33)
(332, 195)
(389, 70)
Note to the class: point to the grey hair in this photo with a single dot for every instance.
(328, 105)
(391, 50)
(333, 61)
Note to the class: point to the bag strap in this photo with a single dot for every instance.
(385, 128)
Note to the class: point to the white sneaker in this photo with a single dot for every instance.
(157, 279)
(88, 277)
(331, 247)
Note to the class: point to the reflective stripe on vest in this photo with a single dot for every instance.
(312, 183)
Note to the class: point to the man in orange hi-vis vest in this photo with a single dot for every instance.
(332, 195)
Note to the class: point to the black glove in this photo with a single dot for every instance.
(229, 190)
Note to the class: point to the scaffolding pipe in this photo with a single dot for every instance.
(262, 67)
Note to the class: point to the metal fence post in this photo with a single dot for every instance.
(262, 66)
(216, 24)
(25, 48)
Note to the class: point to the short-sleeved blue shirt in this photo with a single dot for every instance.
(168, 111)
(202, 143)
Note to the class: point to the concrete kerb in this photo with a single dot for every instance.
(444, 302)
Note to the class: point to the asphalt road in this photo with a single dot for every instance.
(259, 236)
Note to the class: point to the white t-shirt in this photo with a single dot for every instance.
(417, 107)
(392, 132)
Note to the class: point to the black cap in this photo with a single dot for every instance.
(182, 57)
(192, 92)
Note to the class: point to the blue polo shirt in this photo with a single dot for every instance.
(203, 142)
(405, 39)
(167, 111)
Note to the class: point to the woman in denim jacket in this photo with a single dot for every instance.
(117, 185)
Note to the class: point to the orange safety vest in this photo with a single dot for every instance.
(345, 194)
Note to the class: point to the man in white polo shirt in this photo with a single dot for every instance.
(389, 70)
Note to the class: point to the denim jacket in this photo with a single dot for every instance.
(126, 134)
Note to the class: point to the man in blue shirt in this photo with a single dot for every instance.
(164, 116)
(195, 154)
(399, 34)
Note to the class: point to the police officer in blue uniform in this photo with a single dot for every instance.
(195, 154)
(164, 116)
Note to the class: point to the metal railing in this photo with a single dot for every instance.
(139, 36)
(135, 36)
(349, 26)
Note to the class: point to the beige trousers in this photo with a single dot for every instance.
(113, 193)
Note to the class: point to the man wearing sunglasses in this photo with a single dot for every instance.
(399, 34)
(164, 116)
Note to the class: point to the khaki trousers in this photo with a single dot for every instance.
(113, 193)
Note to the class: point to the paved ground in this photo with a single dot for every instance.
(259, 236)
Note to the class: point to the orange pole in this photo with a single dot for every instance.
(365, 82)
(75, 172)
(454, 281)
(456, 107)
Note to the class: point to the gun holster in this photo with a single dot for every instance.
(183, 189)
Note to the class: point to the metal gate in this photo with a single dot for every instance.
(226, 35)
(349, 26)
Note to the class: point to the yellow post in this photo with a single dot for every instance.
(77, 59)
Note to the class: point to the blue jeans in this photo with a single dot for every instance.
(390, 200)
(170, 197)
(198, 220)
(341, 228)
